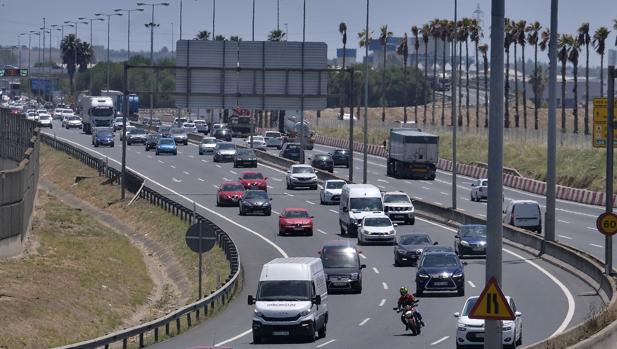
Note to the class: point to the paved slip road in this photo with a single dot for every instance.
(549, 298)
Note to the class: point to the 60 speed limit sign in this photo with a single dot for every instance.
(607, 223)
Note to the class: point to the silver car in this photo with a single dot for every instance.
(331, 191)
(179, 135)
(190, 127)
(207, 145)
(224, 151)
(479, 189)
(398, 207)
(301, 176)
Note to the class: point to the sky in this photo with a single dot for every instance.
(233, 17)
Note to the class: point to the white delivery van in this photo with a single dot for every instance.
(291, 300)
(357, 201)
(524, 214)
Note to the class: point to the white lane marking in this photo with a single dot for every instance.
(290, 195)
(201, 180)
(364, 321)
(591, 228)
(216, 186)
(160, 161)
(440, 340)
(419, 198)
(226, 179)
(574, 212)
(438, 203)
(233, 338)
(595, 245)
(270, 187)
(385, 286)
(362, 255)
(562, 221)
(149, 156)
(376, 270)
(381, 186)
(382, 180)
(191, 156)
(176, 180)
(204, 161)
(276, 212)
(461, 209)
(443, 193)
(471, 284)
(426, 188)
(310, 202)
(233, 172)
(138, 152)
(321, 231)
(186, 173)
(383, 301)
(179, 152)
(331, 210)
(325, 343)
(407, 182)
(217, 165)
(277, 179)
(571, 305)
(466, 199)
(565, 237)
(172, 166)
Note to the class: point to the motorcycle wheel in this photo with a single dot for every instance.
(414, 328)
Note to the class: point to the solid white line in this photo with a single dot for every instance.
(407, 182)
(186, 173)
(201, 180)
(471, 284)
(310, 202)
(482, 215)
(233, 172)
(233, 338)
(385, 286)
(364, 321)
(562, 221)
(438, 203)
(276, 212)
(440, 340)
(383, 301)
(565, 237)
(321, 231)
(419, 198)
(172, 166)
(325, 343)
(595, 245)
(376, 270)
(217, 165)
(333, 211)
(461, 209)
(158, 160)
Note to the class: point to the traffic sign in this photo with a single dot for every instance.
(607, 223)
(492, 304)
(200, 231)
(600, 113)
(13, 72)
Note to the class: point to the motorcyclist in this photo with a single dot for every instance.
(407, 299)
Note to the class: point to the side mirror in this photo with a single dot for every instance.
(456, 236)
(251, 300)
(464, 263)
(395, 224)
(345, 209)
(457, 314)
(311, 217)
(435, 243)
(362, 266)
(317, 300)
(270, 199)
(518, 314)
(473, 185)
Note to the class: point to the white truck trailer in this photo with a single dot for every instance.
(412, 154)
(96, 111)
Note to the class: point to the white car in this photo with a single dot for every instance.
(207, 145)
(71, 121)
(273, 139)
(258, 142)
(471, 331)
(32, 115)
(45, 121)
(128, 129)
(42, 112)
(66, 112)
(331, 191)
(398, 207)
(301, 176)
(376, 227)
(118, 123)
(189, 127)
(479, 190)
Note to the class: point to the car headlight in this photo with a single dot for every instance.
(305, 313)
(392, 232)
(423, 275)
(258, 313)
(464, 243)
(353, 221)
(457, 275)
(419, 251)
(354, 276)
(461, 327)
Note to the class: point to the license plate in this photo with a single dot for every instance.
(480, 335)
(441, 283)
(298, 228)
(478, 249)
(339, 283)
(399, 216)
(280, 333)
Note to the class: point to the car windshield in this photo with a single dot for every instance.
(291, 146)
(396, 198)
(469, 305)
(178, 131)
(284, 290)
(366, 204)
(73, 118)
(208, 141)
(188, 124)
(136, 131)
(439, 260)
(233, 187)
(335, 185)
(473, 231)
(104, 134)
(256, 194)
(377, 222)
(252, 176)
(222, 131)
(166, 141)
(296, 214)
(414, 240)
(118, 119)
(273, 134)
(339, 257)
(246, 152)
(341, 152)
(102, 111)
(321, 158)
(226, 146)
(302, 169)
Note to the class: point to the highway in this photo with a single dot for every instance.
(550, 298)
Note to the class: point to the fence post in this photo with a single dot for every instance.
(167, 329)
(124, 343)
(156, 334)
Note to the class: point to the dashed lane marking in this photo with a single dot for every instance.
(440, 340)
(364, 321)
(385, 286)
(471, 284)
(383, 301)
(376, 270)
(321, 231)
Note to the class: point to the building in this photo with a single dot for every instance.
(392, 57)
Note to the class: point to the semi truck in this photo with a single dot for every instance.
(118, 99)
(412, 154)
(240, 122)
(290, 125)
(96, 111)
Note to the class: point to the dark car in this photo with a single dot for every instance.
(255, 201)
(223, 134)
(341, 264)
(103, 136)
(245, 158)
(409, 247)
(470, 240)
(440, 271)
(290, 151)
(151, 140)
(323, 162)
(340, 157)
(136, 135)
(438, 248)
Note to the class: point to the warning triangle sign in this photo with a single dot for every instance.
(492, 304)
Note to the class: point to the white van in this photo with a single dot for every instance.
(358, 200)
(524, 214)
(291, 300)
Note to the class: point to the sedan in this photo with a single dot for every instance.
(245, 158)
(295, 220)
(103, 136)
(71, 121)
(340, 157)
(331, 191)
(179, 135)
(118, 121)
(229, 194)
(45, 121)
(136, 135)
(409, 247)
(224, 151)
(255, 201)
(254, 180)
(301, 176)
(376, 227)
(470, 240)
(207, 145)
(323, 162)
(258, 143)
(166, 145)
(189, 127)
(440, 271)
(151, 140)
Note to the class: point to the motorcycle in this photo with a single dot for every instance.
(411, 319)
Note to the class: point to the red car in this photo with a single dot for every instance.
(295, 220)
(253, 180)
(229, 194)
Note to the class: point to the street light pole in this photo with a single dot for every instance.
(180, 19)
(108, 15)
(551, 150)
(213, 17)
(128, 39)
(19, 44)
(253, 24)
(32, 32)
(367, 39)
(454, 114)
(302, 126)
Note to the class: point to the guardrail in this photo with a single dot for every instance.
(153, 329)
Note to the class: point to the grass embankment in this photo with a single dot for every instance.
(78, 280)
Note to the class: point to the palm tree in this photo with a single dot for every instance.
(507, 42)
(416, 44)
(342, 28)
(383, 39)
(475, 33)
(538, 81)
(436, 34)
(484, 50)
(403, 50)
(468, 24)
(599, 44)
(446, 31)
(545, 39)
(277, 35)
(573, 58)
(533, 31)
(364, 39)
(521, 40)
(426, 33)
(85, 56)
(69, 48)
(514, 37)
(562, 55)
(584, 39)
(203, 35)
(235, 38)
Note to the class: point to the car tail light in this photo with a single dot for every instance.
(512, 218)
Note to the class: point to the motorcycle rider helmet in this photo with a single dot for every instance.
(403, 290)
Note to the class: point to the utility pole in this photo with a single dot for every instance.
(302, 126)
(454, 110)
(551, 150)
(367, 38)
(213, 17)
(108, 15)
(608, 240)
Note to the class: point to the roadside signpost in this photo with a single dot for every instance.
(13, 72)
(200, 237)
(607, 223)
(492, 304)
(607, 218)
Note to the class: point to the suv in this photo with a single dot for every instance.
(340, 157)
(341, 263)
(223, 134)
(290, 151)
(479, 189)
(301, 176)
(440, 271)
(398, 207)
(323, 162)
(273, 139)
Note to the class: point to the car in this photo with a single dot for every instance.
(223, 134)
(331, 191)
(165, 130)
(295, 220)
(253, 180)
(376, 227)
(229, 194)
(42, 112)
(218, 126)
(103, 136)
(202, 126)
(255, 201)
(207, 145)
(470, 239)
(71, 121)
(118, 122)
(45, 121)
(340, 157)
(409, 248)
(479, 190)
(399, 207)
(179, 135)
(525, 214)
(189, 127)
(136, 135)
(470, 332)
(224, 151)
(290, 151)
(341, 263)
(32, 115)
(152, 122)
(273, 139)
(166, 145)
(179, 121)
(440, 271)
(322, 162)
(300, 175)
(151, 140)
(128, 130)
(245, 158)
(258, 143)
(57, 113)
(438, 248)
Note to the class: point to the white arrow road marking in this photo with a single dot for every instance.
(440, 340)
(364, 321)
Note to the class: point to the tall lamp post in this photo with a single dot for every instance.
(19, 44)
(366, 33)
(91, 46)
(108, 15)
(30, 33)
(128, 34)
(75, 23)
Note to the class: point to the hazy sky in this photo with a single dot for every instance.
(233, 17)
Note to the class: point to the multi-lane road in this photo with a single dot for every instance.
(550, 298)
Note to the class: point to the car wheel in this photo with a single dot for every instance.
(241, 211)
(397, 261)
(342, 230)
(186, 142)
(519, 341)
(323, 331)
(310, 337)
(419, 291)
(157, 152)
(176, 152)
(310, 233)
(268, 213)
(96, 145)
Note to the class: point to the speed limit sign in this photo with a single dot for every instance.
(607, 223)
